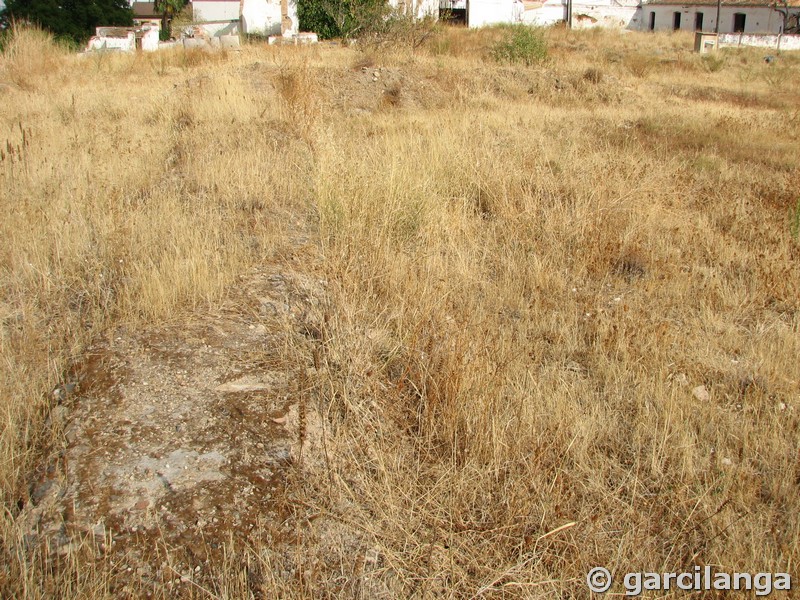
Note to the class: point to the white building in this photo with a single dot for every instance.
(744, 16)
(124, 39)
(209, 11)
(262, 17)
(736, 16)
(585, 13)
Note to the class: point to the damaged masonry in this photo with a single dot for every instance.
(216, 24)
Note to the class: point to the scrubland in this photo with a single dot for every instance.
(530, 272)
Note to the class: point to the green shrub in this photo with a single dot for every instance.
(313, 17)
(347, 19)
(521, 44)
(72, 21)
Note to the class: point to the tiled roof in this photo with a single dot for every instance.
(144, 10)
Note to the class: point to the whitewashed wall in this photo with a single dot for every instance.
(602, 13)
(490, 12)
(215, 10)
(544, 13)
(113, 42)
(605, 13)
(217, 29)
(123, 39)
(264, 17)
(150, 39)
(760, 19)
(787, 42)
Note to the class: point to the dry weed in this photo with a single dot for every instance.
(525, 285)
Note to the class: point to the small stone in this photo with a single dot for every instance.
(372, 555)
(40, 491)
(576, 367)
(59, 414)
(268, 308)
(782, 406)
(727, 462)
(701, 393)
(681, 379)
(232, 387)
(71, 435)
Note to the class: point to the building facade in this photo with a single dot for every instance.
(261, 17)
(734, 16)
(739, 16)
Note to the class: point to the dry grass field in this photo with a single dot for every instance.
(561, 318)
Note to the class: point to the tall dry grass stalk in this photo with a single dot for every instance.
(529, 271)
(137, 192)
(30, 56)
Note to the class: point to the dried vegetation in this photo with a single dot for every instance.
(529, 269)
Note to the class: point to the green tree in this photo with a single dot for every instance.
(75, 20)
(313, 17)
(168, 9)
(342, 18)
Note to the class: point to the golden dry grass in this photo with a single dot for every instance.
(529, 270)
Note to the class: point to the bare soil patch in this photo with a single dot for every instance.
(178, 438)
